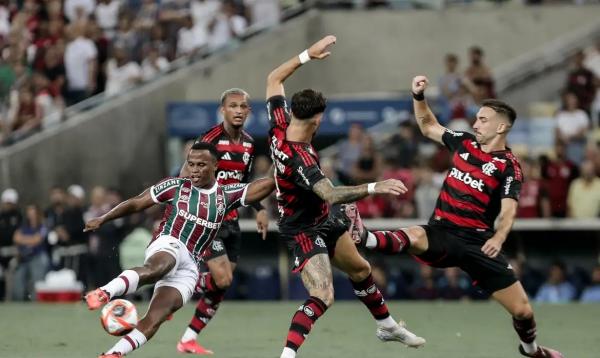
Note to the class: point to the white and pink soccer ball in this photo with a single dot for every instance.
(119, 317)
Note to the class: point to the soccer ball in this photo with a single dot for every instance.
(119, 317)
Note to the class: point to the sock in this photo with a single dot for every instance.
(369, 294)
(302, 323)
(189, 335)
(526, 329)
(128, 343)
(126, 283)
(206, 309)
(388, 242)
(288, 353)
(206, 283)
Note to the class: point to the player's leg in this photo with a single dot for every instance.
(318, 281)
(348, 259)
(515, 301)
(165, 301)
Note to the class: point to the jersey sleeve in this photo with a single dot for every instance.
(453, 140)
(278, 112)
(236, 195)
(164, 190)
(305, 170)
(512, 183)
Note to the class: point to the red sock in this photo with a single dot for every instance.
(391, 242)
(303, 321)
(206, 283)
(369, 294)
(205, 309)
(525, 328)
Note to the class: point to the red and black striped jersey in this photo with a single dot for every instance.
(194, 215)
(296, 171)
(475, 184)
(235, 162)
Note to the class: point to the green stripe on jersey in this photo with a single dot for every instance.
(193, 208)
(171, 220)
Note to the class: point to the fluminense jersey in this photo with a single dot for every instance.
(296, 171)
(235, 163)
(194, 215)
(476, 183)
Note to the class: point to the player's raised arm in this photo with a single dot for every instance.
(428, 124)
(346, 194)
(129, 206)
(258, 190)
(319, 50)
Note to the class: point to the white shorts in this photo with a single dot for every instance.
(184, 274)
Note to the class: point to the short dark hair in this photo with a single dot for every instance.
(233, 91)
(307, 103)
(501, 108)
(206, 146)
(476, 50)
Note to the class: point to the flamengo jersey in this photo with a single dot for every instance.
(236, 159)
(194, 215)
(475, 184)
(296, 171)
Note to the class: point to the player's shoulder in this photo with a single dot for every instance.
(513, 162)
(458, 135)
(212, 134)
(169, 182)
(247, 137)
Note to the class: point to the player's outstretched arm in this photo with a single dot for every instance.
(258, 190)
(506, 219)
(129, 206)
(428, 124)
(346, 194)
(319, 50)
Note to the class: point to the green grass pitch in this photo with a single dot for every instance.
(257, 330)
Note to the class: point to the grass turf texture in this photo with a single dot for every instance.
(257, 330)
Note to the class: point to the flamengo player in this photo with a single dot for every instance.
(200, 205)
(303, 193)
(236, 149)
(482, 185)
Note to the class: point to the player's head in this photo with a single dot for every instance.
(308, 106)
(495, 118)
(235, 107)
(202, 164)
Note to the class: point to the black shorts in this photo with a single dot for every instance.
(453, 248)
(308, 242)
(228, 242)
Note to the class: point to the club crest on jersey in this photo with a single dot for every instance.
(217, 245)
(320, 242)
(246, 158)
(185, 190)
(220, 205)
(184, 198)
(488, 168)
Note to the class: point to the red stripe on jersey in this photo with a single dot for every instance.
(231, 165)
(516, 166)
(306, 158)
(464, 188)
(309, 244)
(461, 221)
(481, 155)
(283, 183)
(232, 148)
(474, 171)
(213, 133)
(459, 204)
(280, 117)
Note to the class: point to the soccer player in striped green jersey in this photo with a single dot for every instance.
(196, 206)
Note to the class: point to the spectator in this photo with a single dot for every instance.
(349, 150)
(79, 9)
(368, 167)
(54, 70)
(584, 194)
(480, 75)
(592, 58)
(427, 191)
(191, 39)
(262, 13)
(530, 279)
(425, 288)
(449, 84)
(581, 81)
(32, 257)
(80, 60)
(154, 65)
(147, 16)
(556, 289)
(558, 174)
(534, 201)
(107, 16)
(127, 38)
(27, 116)
(10, 220)
(572, 125)
(453, 285)
(592, 292)
(121, 72)
(50, 105)
(226, 26)
(401, 149)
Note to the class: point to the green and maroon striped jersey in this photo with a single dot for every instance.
(194, 215)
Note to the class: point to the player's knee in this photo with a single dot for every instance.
(224, 280)
(360, 271)
(324, 294)
(418, 239)
(523, 311)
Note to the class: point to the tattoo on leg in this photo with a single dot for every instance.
(317, 273)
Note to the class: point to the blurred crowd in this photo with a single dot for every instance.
(56, 53)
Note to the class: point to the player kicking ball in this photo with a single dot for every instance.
(196, 208)
(482, 185)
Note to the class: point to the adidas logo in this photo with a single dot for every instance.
(465, 156)
(226, 156)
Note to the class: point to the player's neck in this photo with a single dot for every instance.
(298, 133)
(496, 145)
(234, 133)
(208, 185)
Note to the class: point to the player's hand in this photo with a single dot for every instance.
(320, 49)
(390, 186)
(262, 223)
(492, 247)
(419, 84)
(93, 224)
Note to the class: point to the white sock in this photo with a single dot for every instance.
(189, 335)
(126, 283)
(530, 348)
(387, 322)
(288, 353)
(371, 241)
(124, 345)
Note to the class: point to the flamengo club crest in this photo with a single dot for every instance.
(246, 158)
(488, 168)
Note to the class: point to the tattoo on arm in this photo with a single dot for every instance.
(339, 194)
(316, 274)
